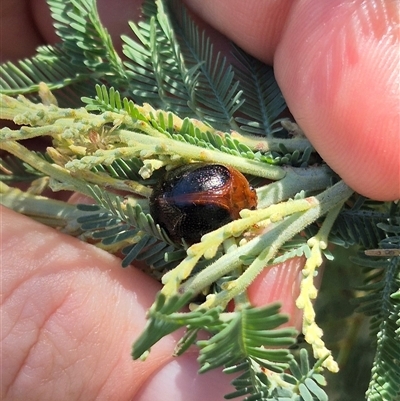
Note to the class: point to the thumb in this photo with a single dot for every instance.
(337, 63)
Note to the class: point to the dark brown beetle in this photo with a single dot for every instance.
(197, 198)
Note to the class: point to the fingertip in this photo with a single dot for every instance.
(253, 25)
(179, 380)
(18, 34)
(337, 65)
(41, 15)
(280, 283)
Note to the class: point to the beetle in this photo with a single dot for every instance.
(197, 198)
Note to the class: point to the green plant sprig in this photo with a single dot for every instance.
(52, 212)
(70, 127)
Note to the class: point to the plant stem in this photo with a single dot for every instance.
(265, 246)
(52, 212)
(51, 170)
(188, 151)
(296, 179)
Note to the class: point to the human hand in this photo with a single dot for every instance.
(70, 312)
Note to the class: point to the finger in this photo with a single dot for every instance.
(341, 86)
(280, 283)
(180, 381)
(337, 65)
(18, 34)
(70, 314)
(254, 25)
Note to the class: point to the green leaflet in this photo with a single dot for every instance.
(300, 382)
(380, 302)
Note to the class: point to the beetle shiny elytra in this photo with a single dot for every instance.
(197, 198)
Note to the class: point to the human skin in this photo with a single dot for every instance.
(70, 313)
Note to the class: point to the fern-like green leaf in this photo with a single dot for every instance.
(299, 383)
(164, 318)
(175, 66)
(251, 381)
(84, 57)
(156, 66)
(359, 227)
(381, 303)
(217, 95)
(245, 336)
(78, 24)
(264, 101)
(133, 231)
(14, 170)
(51, 65)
